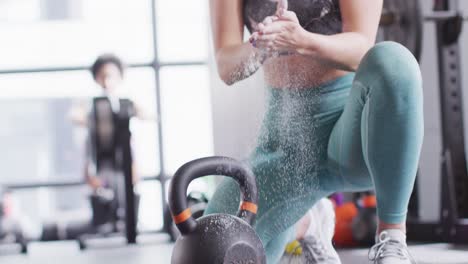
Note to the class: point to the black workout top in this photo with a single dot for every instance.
(318, 16)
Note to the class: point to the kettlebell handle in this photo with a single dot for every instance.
(216, 165)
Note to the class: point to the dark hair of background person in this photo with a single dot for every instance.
(105, 59)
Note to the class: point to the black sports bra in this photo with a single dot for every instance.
(318, 16)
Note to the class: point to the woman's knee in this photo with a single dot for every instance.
(392, 68)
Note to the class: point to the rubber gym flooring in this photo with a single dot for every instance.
(156, 250)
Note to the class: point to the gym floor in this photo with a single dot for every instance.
(156, 250)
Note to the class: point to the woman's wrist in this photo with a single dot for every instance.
(259, 55)
(306, 42)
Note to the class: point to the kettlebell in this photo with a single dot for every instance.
(197, 201)
(215, 238)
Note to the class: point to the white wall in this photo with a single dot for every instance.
(237, 114)
(238, 110)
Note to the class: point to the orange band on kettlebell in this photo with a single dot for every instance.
(248, 206)
(182, 217)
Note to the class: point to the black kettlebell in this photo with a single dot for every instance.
(364, 225)
(197, 201)
(215, 238)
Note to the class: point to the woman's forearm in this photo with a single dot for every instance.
(343, 50)
(238, 62)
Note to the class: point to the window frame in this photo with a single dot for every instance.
(156, 64)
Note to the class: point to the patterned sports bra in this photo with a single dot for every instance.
(318, 16)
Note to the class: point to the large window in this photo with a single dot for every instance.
(74, 34)
(182, 30)
(46, 49)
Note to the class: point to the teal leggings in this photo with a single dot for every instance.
(359, 132)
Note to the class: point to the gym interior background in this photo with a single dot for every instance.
(46, 49)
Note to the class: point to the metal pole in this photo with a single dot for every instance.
(85, 68)
(156, 66)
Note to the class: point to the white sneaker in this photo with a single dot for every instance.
(391, 248)
(293, 254)
(316, 251)
(316, 246)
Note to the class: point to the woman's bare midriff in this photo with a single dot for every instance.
(296, 71)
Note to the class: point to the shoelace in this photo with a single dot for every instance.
(388, 248)
(293, 256)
